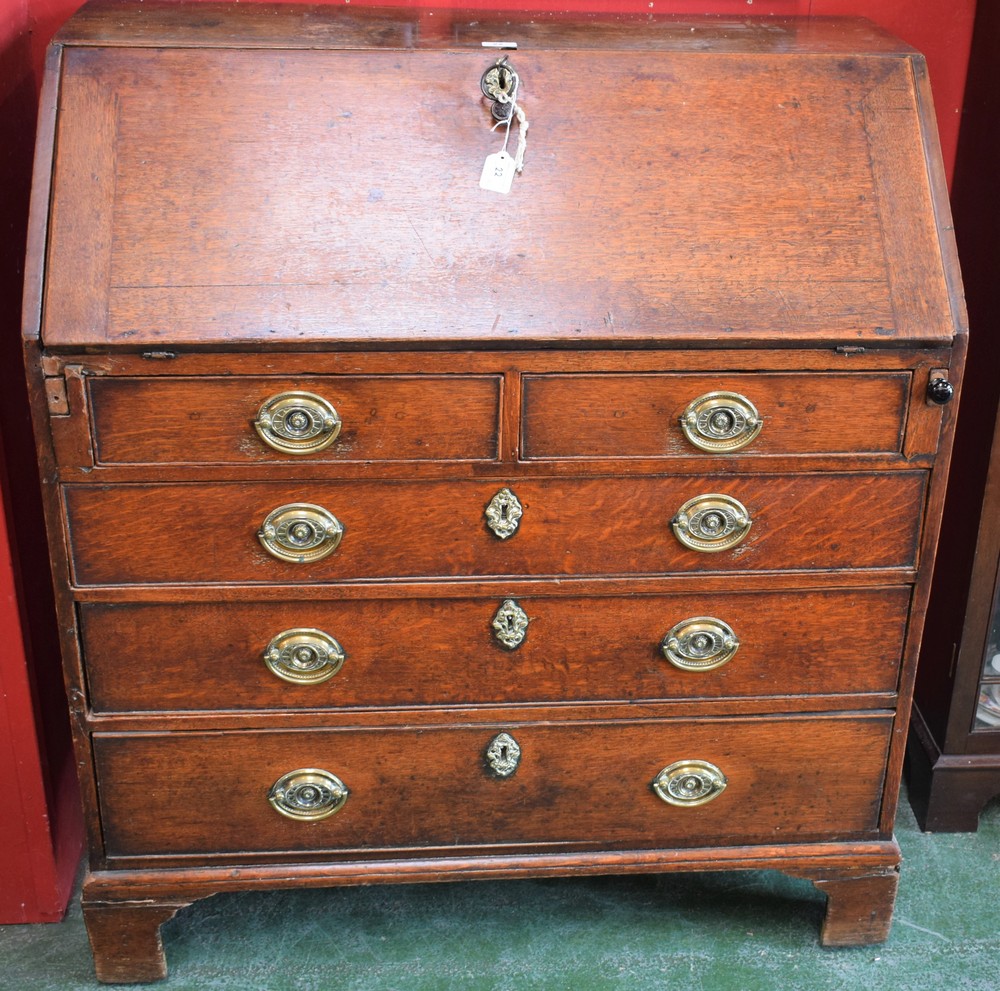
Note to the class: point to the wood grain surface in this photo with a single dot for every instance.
(162, 657)
(601, 416)
(271, 197)
(587, 526)
(218, 25)
(210, 420)
(583, 782)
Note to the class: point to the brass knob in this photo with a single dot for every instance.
(510, 625)
(711, 523)
(297, 423)
(689, 782)
(303, 656)
(719, 422)
(308, 794)
(700, 644)
(503, 514)
(300, 532)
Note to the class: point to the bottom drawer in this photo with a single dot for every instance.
(418, 790)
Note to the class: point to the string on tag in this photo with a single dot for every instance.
(522, 123)
(499, 84)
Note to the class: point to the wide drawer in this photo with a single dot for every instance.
(211, 420)
(577, 783)
(639, 416)
(160, 657)
(569, 526)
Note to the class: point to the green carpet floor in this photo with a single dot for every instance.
(705, 932)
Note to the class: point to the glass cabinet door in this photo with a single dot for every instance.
(988, 708)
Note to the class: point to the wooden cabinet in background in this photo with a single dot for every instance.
(954, 752)
(406, 530)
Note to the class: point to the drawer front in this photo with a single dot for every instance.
(211, 420)
(639, 416)
(209, 533)
(789, 779)
(160, 657)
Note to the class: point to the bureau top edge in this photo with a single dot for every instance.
(902, 349)
(304, 26)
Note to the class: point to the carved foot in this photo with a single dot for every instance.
(859, 905)
(125, 939)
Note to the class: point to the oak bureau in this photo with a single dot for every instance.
(466, 460)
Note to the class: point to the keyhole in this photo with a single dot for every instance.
(510, 623)
(503, 752)
(503, 510)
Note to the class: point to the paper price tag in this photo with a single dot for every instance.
(498, 172)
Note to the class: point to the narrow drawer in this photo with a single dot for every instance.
(211, 420)
(640, 416)
(417, 790)
(243, 655)
(568, 526)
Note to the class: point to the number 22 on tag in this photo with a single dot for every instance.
(498, 172)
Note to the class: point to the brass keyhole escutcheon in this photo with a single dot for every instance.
(297, 423)
(498, 80)
(701, 643)
(304, 656)
(510, 625)
(503, 514)
(720, 422)
(499, 84)
(300, 532)
(711, 523)
(688, 783)
(308, 794)
(503, 755)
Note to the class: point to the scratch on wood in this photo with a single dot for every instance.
(419, 238)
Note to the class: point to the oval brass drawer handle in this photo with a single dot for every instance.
(711, 523)
(700, 644)
(300, 533)
(719, 422)
(304, 656)
(297, 423)
(308, 794)
(689, 782)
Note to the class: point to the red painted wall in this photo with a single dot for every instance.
(39, 827)
(40, 821)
